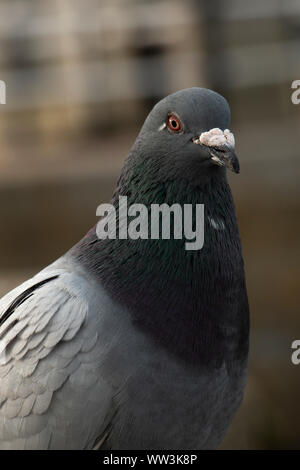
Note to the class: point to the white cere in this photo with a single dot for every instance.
(216, 137)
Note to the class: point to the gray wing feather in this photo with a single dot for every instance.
(52, 394)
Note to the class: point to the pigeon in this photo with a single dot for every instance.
(137, 343)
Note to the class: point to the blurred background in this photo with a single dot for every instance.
(81, 77)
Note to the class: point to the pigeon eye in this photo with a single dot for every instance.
(174, 123)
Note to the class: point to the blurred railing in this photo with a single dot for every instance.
(80, 64)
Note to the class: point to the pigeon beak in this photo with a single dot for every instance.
(224, 155)
(220, 145)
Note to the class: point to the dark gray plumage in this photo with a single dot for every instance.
(136, 344)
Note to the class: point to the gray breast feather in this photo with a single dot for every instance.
(48, 367)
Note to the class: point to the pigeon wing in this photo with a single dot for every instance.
(51, 392)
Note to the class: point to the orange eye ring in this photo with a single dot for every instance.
(174, 123)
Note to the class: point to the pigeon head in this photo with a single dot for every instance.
(187, 135)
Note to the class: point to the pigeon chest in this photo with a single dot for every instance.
(161, 402)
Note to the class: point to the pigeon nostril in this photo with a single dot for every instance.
(218, 149)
